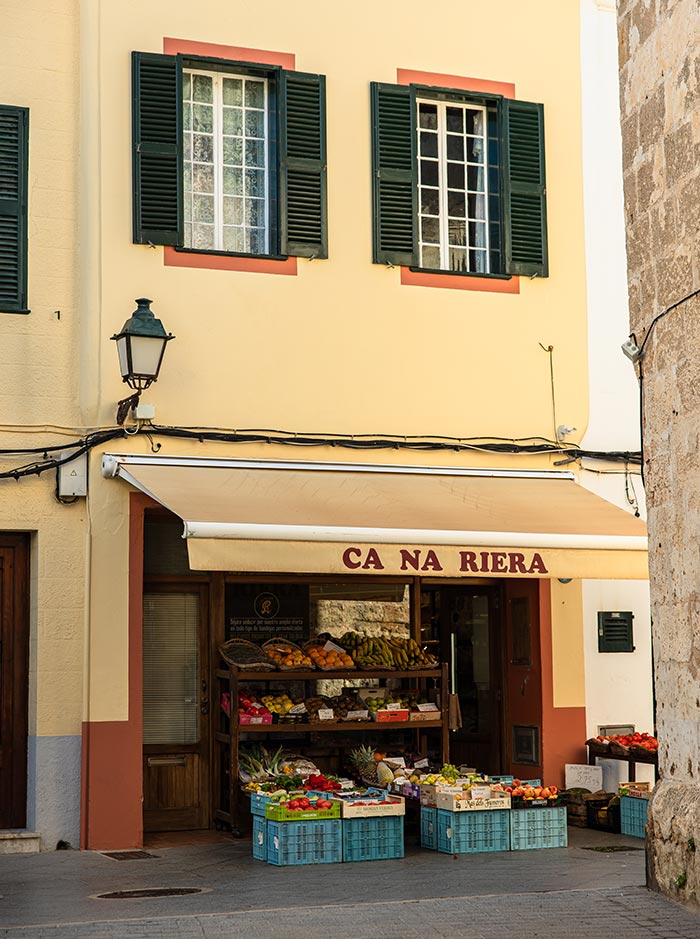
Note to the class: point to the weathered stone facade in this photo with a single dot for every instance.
(660, 99)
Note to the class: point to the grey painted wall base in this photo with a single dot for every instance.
(53, 789)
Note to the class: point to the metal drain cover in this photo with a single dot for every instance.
(613, 848)
(129, 855)
(150, 892)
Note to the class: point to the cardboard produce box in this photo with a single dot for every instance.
(476, 799)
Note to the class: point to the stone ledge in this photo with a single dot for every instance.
(20, 842)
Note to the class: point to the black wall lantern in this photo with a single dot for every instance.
(141, 346)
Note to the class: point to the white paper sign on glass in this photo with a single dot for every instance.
(326, 714)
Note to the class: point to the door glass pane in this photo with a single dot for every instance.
(170, 668)
(473, 667)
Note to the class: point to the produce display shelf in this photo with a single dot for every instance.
(428, 827)
(280, 813)
(291, 843)
(633, 816)
(473, 832)
(259, 838)
(531, 829)
(323, 674)
(373, 839)
(333, 725)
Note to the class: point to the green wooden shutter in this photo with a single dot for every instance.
(394, 174)
(615, 631)
(525, 189)
(14, 167)
(303, 184)
(157, 149)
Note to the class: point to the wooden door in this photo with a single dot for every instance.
(471, 619)
(14, 679)
(176, 750)
(523, 711)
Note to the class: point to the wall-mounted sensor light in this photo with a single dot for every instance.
(631, 349)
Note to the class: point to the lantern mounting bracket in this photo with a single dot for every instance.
(126, 405)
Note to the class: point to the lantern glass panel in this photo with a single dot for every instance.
(123, 350)
(146, 353)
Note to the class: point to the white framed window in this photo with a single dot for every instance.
(226, 162)
(453, 216)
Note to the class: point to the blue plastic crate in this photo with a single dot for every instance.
(258, 802)
(259, 838)
(633, 816)
(310, 842)
(473, 832)
(538, 828)
(373, 839)
(503, 780)
(428, 827)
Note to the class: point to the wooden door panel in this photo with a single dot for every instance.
(523, 678)
(176, 752)
(14, 678)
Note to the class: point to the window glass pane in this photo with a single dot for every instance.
(455, 175)
(233, 151)
(428, 172)
(233, 91)
(255, 212)
(455, 120)
(234, 239)
(428, 116)
(254, 94)
(255, 123)
(255, 153)
(455, 147)
(429, 201)
(430, 258)
(455, 203)
(256, 240)
(428, 145)
(477, 206)
(203, 89)
(233, 181)
(475, 122)
(233, 121)
(203, 237)
(170, 668)
(475, 150)
(187, 117)
(254, 183)
(203, 178)
(477, 261)
(457, 232)
(186, 87)
(233, 211)
(430, 230)
(203, 209)
(203, 118)
(203, 148)
(475, 178)
(477, 234)
(458, 260)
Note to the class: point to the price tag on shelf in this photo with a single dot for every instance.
(397, 761)
(256, 720)
(393, 706)
(419, 764)
(326, 714)
(481, 792)
(428, 707)
(357, 715)
(332, 647)
(297, 709)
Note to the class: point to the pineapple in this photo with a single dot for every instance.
(364, 764)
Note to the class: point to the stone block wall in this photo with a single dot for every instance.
(659, 43)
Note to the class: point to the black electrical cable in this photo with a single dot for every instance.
(489, 445)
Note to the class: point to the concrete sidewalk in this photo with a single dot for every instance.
(568, 892)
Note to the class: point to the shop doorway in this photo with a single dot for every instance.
(176, 749)
(14, 678)
(489, 635)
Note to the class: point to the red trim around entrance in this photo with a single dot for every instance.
(112, 777)
(563, 729)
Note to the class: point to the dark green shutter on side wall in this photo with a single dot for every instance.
(157, 149)
(525, 188)
(14, 152)
(303, 196)
(393, 175)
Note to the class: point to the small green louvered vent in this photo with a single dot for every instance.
(615, 631)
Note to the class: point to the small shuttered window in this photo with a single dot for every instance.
(615, 631)
(253, 172)
(461, 199)
(14, 167)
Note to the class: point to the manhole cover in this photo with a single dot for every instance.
(612, 848)
(128, 855)
(149, 892)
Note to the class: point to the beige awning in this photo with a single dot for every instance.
(294, 516)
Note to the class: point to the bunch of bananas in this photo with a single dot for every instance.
(408, 654)
(374, 653)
